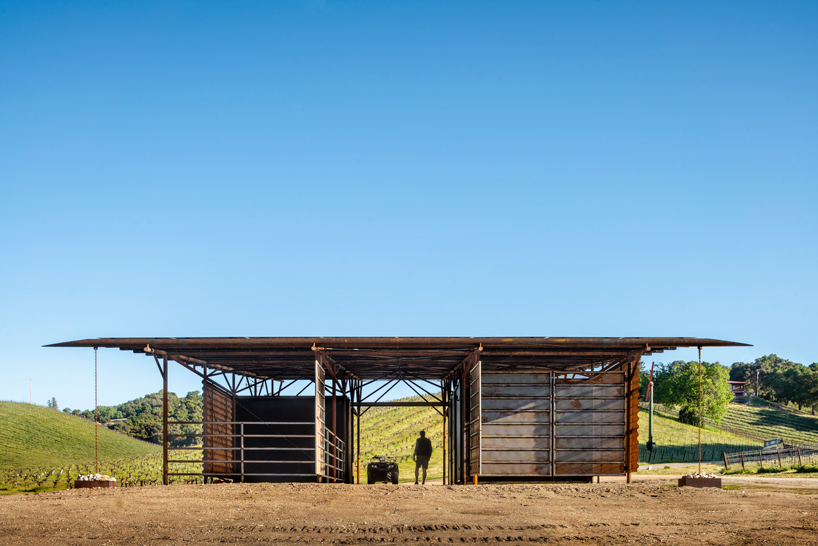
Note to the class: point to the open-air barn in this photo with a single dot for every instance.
(288, 409)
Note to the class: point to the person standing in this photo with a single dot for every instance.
(423, 451)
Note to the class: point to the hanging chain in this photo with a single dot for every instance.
(700, 410)
(96, 424)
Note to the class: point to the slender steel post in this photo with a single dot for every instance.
(96, 420)
(206, 466)
(758, 373)
(628, 420)
(700, 410)
(464, 430)
(359, 389)
(165, 419)
(445, 412)
(650, 418)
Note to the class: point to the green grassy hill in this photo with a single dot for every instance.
(766, 421)
(762, 421)
(33, 436)
(677, 442)
(743, 428)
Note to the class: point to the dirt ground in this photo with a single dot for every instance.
(645, 512)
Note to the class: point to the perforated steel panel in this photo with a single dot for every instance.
(320, 419)
(475, 425)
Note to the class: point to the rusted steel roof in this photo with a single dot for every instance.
(392, 357)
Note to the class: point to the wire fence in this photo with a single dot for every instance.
(689, 453)
(783, 456)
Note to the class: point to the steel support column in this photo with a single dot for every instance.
(445, 412)
(165, 419)
(464, 429)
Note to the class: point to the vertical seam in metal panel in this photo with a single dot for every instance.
(553, 414)
(625, 374)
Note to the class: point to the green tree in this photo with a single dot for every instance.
(677, 385)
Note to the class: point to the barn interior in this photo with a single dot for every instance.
(289, 409)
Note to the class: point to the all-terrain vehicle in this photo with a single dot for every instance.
(382, 469)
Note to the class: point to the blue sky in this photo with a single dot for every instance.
(401, 168)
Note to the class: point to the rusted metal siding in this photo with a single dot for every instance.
(552, 424)
(633, 432)
(589, 432)
(516, 423)
(218, 408)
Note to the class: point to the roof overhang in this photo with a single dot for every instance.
(372, 358)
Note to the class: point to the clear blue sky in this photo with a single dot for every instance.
(401, 168)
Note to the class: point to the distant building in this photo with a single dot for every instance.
(737, 388)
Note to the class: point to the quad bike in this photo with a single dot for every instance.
(382, 469)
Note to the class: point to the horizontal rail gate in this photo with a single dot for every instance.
(540, 423)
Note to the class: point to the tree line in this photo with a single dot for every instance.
(676, 384)
(142, 417)
(780, 380)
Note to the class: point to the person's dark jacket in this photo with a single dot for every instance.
(423, 447)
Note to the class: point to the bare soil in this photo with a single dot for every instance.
(608, 513)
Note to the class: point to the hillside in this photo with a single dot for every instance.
(35, 436)
(392, 431)
(766, 421)
(763, 421)
(678, 442)
(143, 416)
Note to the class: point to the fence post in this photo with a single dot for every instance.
(761, 458)
(726, 466)
(779, 457)
(799, 457)
(242, 452)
